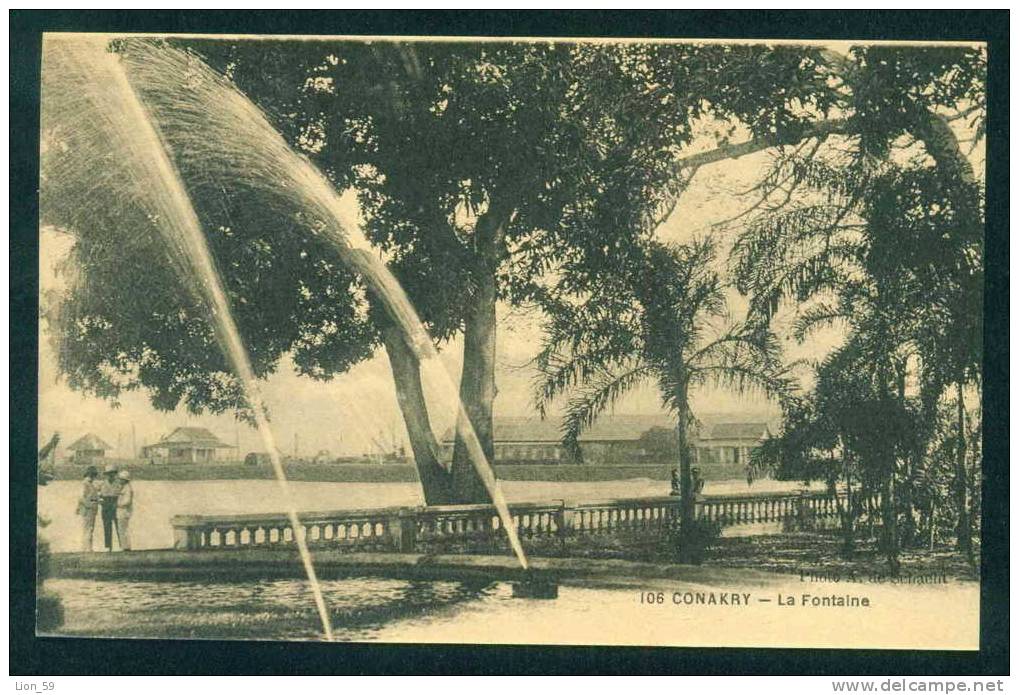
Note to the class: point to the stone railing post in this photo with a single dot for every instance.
(187, 535)
(563, 518)
(803, 512)
(403, 528)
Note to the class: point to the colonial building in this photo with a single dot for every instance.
(727, 445)
(612, 439)
(521, 439)
(719, 447)
(185, 445)
(88, 449)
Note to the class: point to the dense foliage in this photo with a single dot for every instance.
(882, 234)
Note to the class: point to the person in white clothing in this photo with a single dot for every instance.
(88, 505)
(125, 506)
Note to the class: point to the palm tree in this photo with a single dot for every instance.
(886, 250)
(661, 320)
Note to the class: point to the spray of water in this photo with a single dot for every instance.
(87, 87)
(217, 132)
(220, 137)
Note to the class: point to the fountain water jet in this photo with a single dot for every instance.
(217, 132)
(132, 143)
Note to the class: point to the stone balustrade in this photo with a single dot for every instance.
(367, 529)
(415, 529)
(609, 517)
(768, 507)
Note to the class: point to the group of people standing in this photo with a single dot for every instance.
(697, 483)
(111, 497)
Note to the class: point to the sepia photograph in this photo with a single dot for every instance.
(511, 340)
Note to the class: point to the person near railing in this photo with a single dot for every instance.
(109, 492)
(88, 504)
(676, 490)
(698, 484)
(125, 507)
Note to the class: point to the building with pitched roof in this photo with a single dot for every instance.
(533, 440)
(88, 448)
(185, 445)
(623, 439)
(729, 443)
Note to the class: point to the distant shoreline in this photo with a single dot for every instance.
(367, 473)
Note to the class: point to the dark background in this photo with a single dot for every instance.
(30, 655)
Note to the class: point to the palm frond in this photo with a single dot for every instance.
(558, 372)
(820, 315)
(745, 359)
(603, 389)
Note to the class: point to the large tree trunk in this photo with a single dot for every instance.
(964, 540)
(477, 381)
(943, 146)
(477, 394)
(436, 482)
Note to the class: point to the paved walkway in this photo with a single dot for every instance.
(230, 565)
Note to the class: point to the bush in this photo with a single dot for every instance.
(690, 546)
(49, 611)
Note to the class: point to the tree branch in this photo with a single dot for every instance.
(822, 129)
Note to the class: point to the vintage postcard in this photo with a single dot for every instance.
(511, 340)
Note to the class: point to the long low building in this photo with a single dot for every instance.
(623, 439)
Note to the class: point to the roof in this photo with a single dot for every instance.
(735, 430)
(89, 442)
(614, 428)
(606, 428)
(195, 436)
